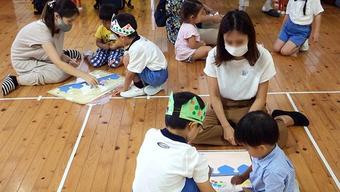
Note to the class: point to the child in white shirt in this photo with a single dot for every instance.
(166, 162)
(145, 63)
(297, 26)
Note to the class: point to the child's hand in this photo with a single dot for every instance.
(113, 46)
(237, 180)
(117, 90)
(217, 18)
(106, 46)
(315, 37)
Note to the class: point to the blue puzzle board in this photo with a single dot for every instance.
(225, 164)
(82, 93)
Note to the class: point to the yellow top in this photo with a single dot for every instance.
(105, 34)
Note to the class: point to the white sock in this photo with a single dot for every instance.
(267, 5)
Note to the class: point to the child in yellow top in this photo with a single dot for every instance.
(109, 50)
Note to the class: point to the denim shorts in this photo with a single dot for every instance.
(153, 78)
(190, 186)
(298, 34)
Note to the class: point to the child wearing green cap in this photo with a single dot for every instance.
(166, 161)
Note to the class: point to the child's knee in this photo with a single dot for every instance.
(286, 51)
(276, 48)
(208, 48)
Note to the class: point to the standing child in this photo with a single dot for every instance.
(109, 50)
(166, 162)
(303, 18)
(271, 170)
(145, 63)
(189, 46)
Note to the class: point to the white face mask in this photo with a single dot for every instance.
(236, 51)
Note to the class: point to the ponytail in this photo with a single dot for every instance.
(65, 8)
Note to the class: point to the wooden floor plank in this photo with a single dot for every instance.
(324, 112)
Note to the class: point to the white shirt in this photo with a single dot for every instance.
(144, 53)
(295, 11)
(163, 164)
(237, 79)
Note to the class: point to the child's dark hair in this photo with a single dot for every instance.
(257, 128)
(181, 98)
(106, 11)
(190, 8)
(126, 18)
(65, 8)
(241, 22)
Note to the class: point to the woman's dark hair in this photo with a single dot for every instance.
(181, 98)
(241, 22)
(126, 18)
(106, 11)
(189, 8)
(65, 8)
(257, 128)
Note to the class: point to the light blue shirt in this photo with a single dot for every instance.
(273, 173)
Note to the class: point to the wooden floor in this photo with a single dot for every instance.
(48, 143)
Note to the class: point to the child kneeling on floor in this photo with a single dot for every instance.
(109, 50)
(145, 63)
(166, 162)
(303, 18)
(271, 170)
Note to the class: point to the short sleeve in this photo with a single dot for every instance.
(137, 60)
(273, 181)
(269, 67)
(98, 33)
(190, 31)
(317, 7)
(197, 166)
(210, 64)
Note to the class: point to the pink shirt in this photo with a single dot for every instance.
(183, 51)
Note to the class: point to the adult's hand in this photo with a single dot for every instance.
(228, 134)
(91, 80)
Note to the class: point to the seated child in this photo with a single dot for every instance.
(145, 63)
(109, 50)
(188, 45)
(271, 170)
(166, 162)
(303, 18)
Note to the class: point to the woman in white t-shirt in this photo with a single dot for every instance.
(238, 72)
(297, 26)
(37, 52)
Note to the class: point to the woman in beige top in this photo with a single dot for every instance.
(37, 52)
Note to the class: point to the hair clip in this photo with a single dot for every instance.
(51, 3)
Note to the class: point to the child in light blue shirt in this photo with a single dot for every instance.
(271, 170)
